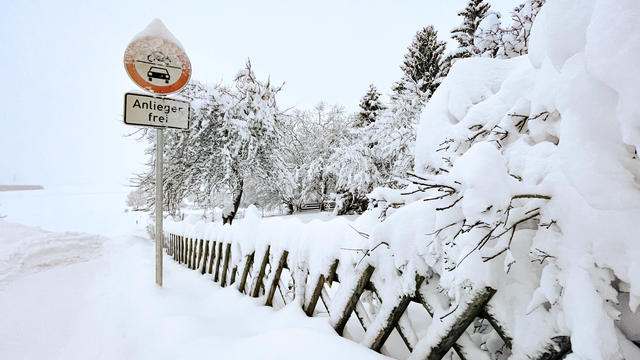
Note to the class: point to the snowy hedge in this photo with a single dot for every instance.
(532, 170)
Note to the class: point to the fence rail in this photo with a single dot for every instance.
(339, 295)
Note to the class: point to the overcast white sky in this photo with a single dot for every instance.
(64, 81)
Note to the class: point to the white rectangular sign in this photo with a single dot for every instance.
(153, 111)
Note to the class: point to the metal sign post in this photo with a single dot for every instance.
(159, 202)
(156, 62)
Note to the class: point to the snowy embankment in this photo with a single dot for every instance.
(96, 299)
(25, 250)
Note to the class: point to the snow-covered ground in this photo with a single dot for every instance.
(82, 296)
(93, 208)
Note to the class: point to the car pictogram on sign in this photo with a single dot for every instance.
(158, 73)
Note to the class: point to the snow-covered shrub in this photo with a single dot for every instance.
(527, 179)
(491, 39)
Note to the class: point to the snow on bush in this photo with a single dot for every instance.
(530, 168)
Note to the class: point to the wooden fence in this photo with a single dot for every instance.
(260, 276)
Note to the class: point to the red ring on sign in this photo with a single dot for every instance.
(129, 64)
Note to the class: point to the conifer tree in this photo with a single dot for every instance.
(472, 15)
(393, 135)
(422, 63)
(371, 106)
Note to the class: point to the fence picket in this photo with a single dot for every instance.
(216, 271)
(225, 265)
(212, 257)
(265, 260)
(276, 278)
(205, 256)
(380, 335)
(345, 313)
(247, 267)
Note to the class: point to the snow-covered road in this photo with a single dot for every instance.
(105, 305)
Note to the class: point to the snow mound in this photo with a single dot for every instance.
(25, 250)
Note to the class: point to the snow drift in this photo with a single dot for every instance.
(25, 250)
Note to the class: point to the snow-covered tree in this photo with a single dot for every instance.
(520, 30)
(421, 66)
(472, 15)
(248, 134)
(136, 200)
(356, 169)
(393, 135)
(493, 40)
(371, 107)
(329, 126)
(231, 141)
(379, 153)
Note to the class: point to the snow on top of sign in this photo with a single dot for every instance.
(157, 29)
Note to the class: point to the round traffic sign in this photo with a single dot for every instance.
(156, 62)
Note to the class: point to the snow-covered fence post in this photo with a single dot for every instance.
(317, 290)
(205, 257)
(194, 262)
(464, 344)
(175, 247)
(182, 249)
(276, 278)
(200, 245)
(194, 243)
(176, 242)
(344, 313)
(176, 251)
(461, 317)
(187, 260)
(185, 249)
(265, 260)
(376, 336)
(216, 272)
(407, 334)
(212, 256)
(225, 266)
(192, 257)
(245, 272)
(189, 252)
(234, 272)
